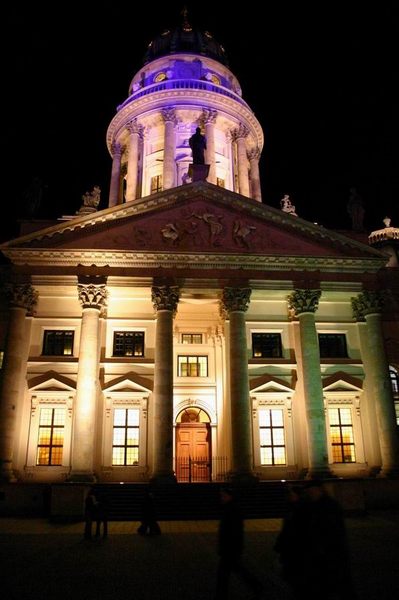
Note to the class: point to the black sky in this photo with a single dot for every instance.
(321, 77)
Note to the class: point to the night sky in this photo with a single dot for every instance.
(321, 77)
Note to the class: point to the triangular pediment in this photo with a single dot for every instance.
(131, 382)
(51, 381)
(342, 382)
(194, 219)
(268, 384)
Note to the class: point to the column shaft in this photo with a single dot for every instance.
(13, 369)
(313, 390)
(210, 149)
(86, 397)
(115, 176)
(255, 177)
(169, 156)
(132, 165)
(243, 181)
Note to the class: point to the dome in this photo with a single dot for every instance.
(185, 39)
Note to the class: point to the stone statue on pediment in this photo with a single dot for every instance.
(90, 201)
(287, 206)
(355, 210)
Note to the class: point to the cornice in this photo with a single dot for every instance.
(239, 111)
(188, 261)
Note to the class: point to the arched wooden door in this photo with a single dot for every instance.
(193, 452)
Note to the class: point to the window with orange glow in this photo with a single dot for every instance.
(192, 366)
(156, 184)
(51, 436)
(271, 436)
(128, 343)
(126, 437)
(341, 435)
(58, 343)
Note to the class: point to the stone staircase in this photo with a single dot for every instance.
(191, 501)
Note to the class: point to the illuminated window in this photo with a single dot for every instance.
(125, 438)
(394, 381)
(271, 436)
(266, 345)
(58, 343)
(191, 338)
(160, 77)
(156, 184)
(332, 345)
(220, 182)
(128, 343)
(341, 435)
(51, 436)
(192, 366)
(215, 79)
(1, 358)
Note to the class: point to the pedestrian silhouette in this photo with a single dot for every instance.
(90, 512)
(149, 523)
(198, 146)
(313, 547)
(230, 547)
(101, 516)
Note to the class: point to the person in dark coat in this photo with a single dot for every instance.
(91, 503)
(101, 516)
(149, 523)
(230, 548)
(313, 547)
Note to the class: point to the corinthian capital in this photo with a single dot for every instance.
(241, 132)
(367, 303)
(22, 295)
(301, 301)
(165, 297)
(92, 295)
(208, 116)
(253, 154)
(169, 114)
(134, 127)
(116, 149)
(234, 299)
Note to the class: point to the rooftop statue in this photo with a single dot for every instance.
(287, 206)
(198, 146)
(355, 210)
(90, 200)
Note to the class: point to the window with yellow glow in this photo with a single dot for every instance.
(156, 184)
(341, 435)
(126, 437)
(192, 366)
(51, 436)
(191, 338)
(220, 182)
(215, 79)
(128, 343)
(271, 436)
(58, 343)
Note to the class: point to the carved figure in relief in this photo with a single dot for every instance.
(287, 206)
(241, 231)
(170, 232)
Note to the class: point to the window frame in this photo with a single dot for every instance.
(126, 427)
(187, 362)
(271, 334)
(272, 445)
(47, 333)
(125, 334)
(330, 335)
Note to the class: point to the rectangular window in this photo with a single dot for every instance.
(156, 184)
(126, 435)
(332, 345)
(272, 439)
(1, 358)
(191, 338)
(51, 436)
(128, 343)
(220, 182)
(192, 366)
(341, 435)
(397, 412)
(58, 343)
(266, 345)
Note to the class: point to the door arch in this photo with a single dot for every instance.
(193, 446)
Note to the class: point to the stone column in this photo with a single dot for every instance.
(115, 175)
(209, 119)
(169, 163)
(235, 303)
(132, 164)
(242, 161)
(22, 300)
(304, 304)
(92, 296)
(253, 156)
(367, 306)
(165, 299)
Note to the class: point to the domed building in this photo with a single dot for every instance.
(189, 332)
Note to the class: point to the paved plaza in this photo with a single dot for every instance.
(40, 560)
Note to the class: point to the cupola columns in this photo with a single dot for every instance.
(132, 166)
(169, 117)
(114, 197)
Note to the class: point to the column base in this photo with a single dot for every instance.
(81, 478)
(243, 478)
(7, 474)
(320, 473)
(163, 478)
